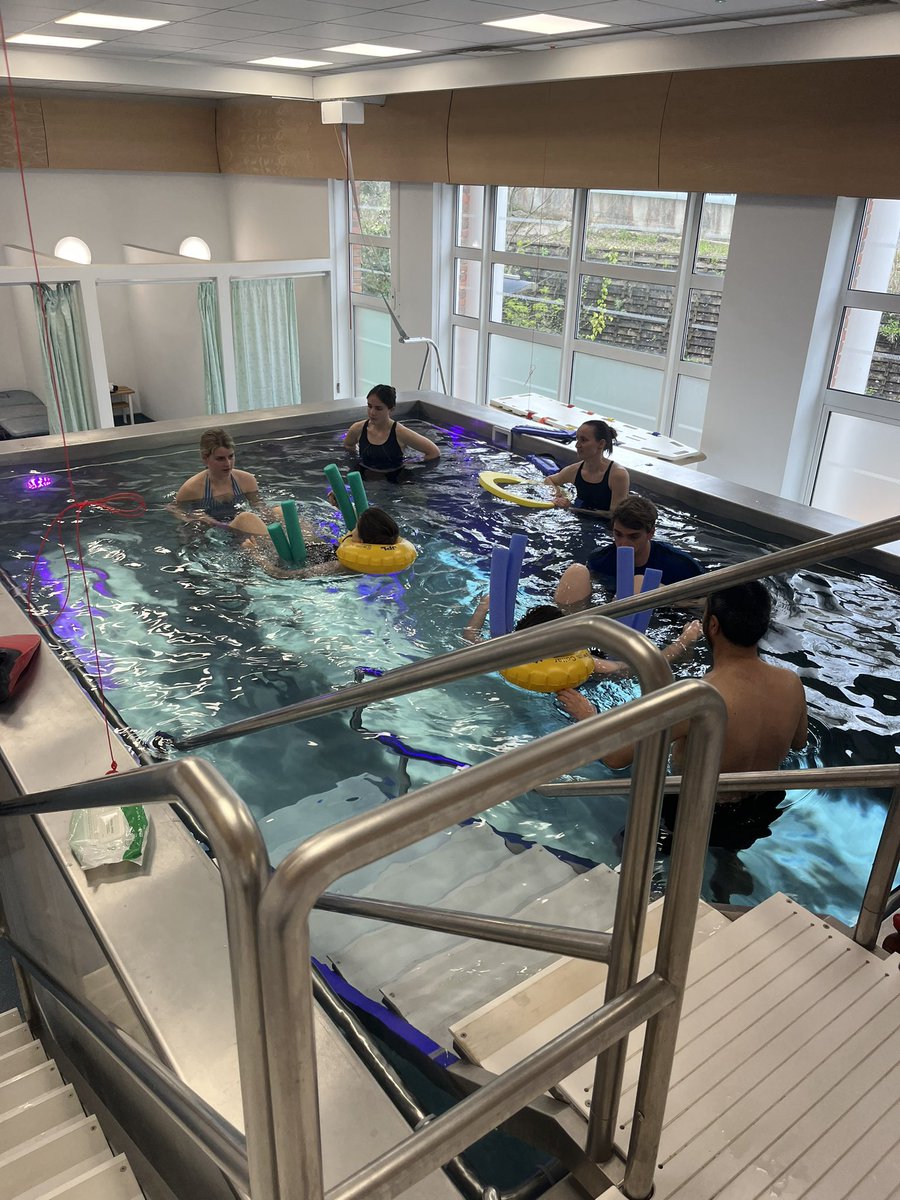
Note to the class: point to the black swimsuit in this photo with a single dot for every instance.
(386, 457)
(597, 496)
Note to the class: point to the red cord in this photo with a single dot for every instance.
(123, 504)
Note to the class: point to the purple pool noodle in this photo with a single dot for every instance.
(652, 576)
(517, 544)
(625, 578)
(497, 607)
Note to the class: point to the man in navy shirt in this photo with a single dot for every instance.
(633, 524)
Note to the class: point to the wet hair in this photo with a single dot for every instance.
(385, 393)
(635, 512)
(603, 432)
(377, 528)
(539, 615)
(743, 612)
(215, 439)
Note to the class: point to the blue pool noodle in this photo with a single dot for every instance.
(497, 606)
(652, 577)
(625, 578)
(516, 557)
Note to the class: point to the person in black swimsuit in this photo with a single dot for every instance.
(379, 441)
(600, 484)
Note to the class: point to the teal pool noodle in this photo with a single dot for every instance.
(358, 492)
(294, 532)
(333, 475)
(279, 540)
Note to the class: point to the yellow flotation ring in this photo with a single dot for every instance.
(552, 674)
(498, 483)
(371, 559)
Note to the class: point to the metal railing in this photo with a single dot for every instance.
(245, 870)
(306, 873)
(879, 899)
(516, 648)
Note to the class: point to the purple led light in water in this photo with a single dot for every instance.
(35, 483)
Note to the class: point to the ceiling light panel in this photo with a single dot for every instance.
(91, 20)
(298, 64)
(46, 39)
(545, 23)
(365, 50)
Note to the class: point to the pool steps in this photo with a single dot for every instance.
(786, 1079)
(49, 1148)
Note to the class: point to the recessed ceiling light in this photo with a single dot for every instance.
(546, 23)
(371, 51)
(101, 21)
(42, 39)
(298, 64)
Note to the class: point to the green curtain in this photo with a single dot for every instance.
(68, 349)
(266, 348)
(208, 303)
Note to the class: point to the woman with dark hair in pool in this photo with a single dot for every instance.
(218, 490)
(379, 441)
(600, 484)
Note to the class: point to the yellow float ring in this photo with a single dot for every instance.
(497, 483)
(371, 559)
(552, 674)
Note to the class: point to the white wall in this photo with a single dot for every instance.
(767, 356)
(415, 277)
(107, 208)
(168, 349)
(12, 368)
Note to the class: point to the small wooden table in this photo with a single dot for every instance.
(120, 399)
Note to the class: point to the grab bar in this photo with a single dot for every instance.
(880, 775)
(308, 870)
(557, 637)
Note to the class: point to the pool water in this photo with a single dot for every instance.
(192, 635)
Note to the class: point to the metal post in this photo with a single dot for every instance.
(703, 750)
(881, 877)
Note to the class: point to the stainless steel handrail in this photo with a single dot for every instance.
(306, 873)
(878, 775)
(245, 869)
(516, 648)
(881, 877)
(557, 637)
(533, 935)
(208, 1129)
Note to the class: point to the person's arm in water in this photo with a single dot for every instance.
(410, 440)
(473, 631)
(561, 499)
(352, 436)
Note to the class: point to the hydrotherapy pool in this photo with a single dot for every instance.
(192, 636)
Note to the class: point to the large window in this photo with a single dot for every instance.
(607, 300)
(856, 470)
(372, 254)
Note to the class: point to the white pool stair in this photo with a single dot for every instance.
(786, 1080)
(49, 1148)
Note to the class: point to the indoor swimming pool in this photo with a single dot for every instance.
(192, 635)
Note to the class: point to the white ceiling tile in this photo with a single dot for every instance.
(471, 11)
(398, 22)
(824, 14)
(152, 10)
(240, 22)
(301, 10)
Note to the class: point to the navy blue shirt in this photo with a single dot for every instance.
(675, 564)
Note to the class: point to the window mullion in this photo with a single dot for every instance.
(690, 234)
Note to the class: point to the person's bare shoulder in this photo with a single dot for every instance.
(191, 489)
(246, 482)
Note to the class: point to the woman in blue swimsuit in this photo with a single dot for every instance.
(218, 491)
(379, 441)
(600, 484)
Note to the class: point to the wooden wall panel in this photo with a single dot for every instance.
(807, 129)
(575, 133)
(277, 137)
(30, 122)
(406, 137)
(102, 134)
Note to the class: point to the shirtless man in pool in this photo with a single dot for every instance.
(766, 714)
